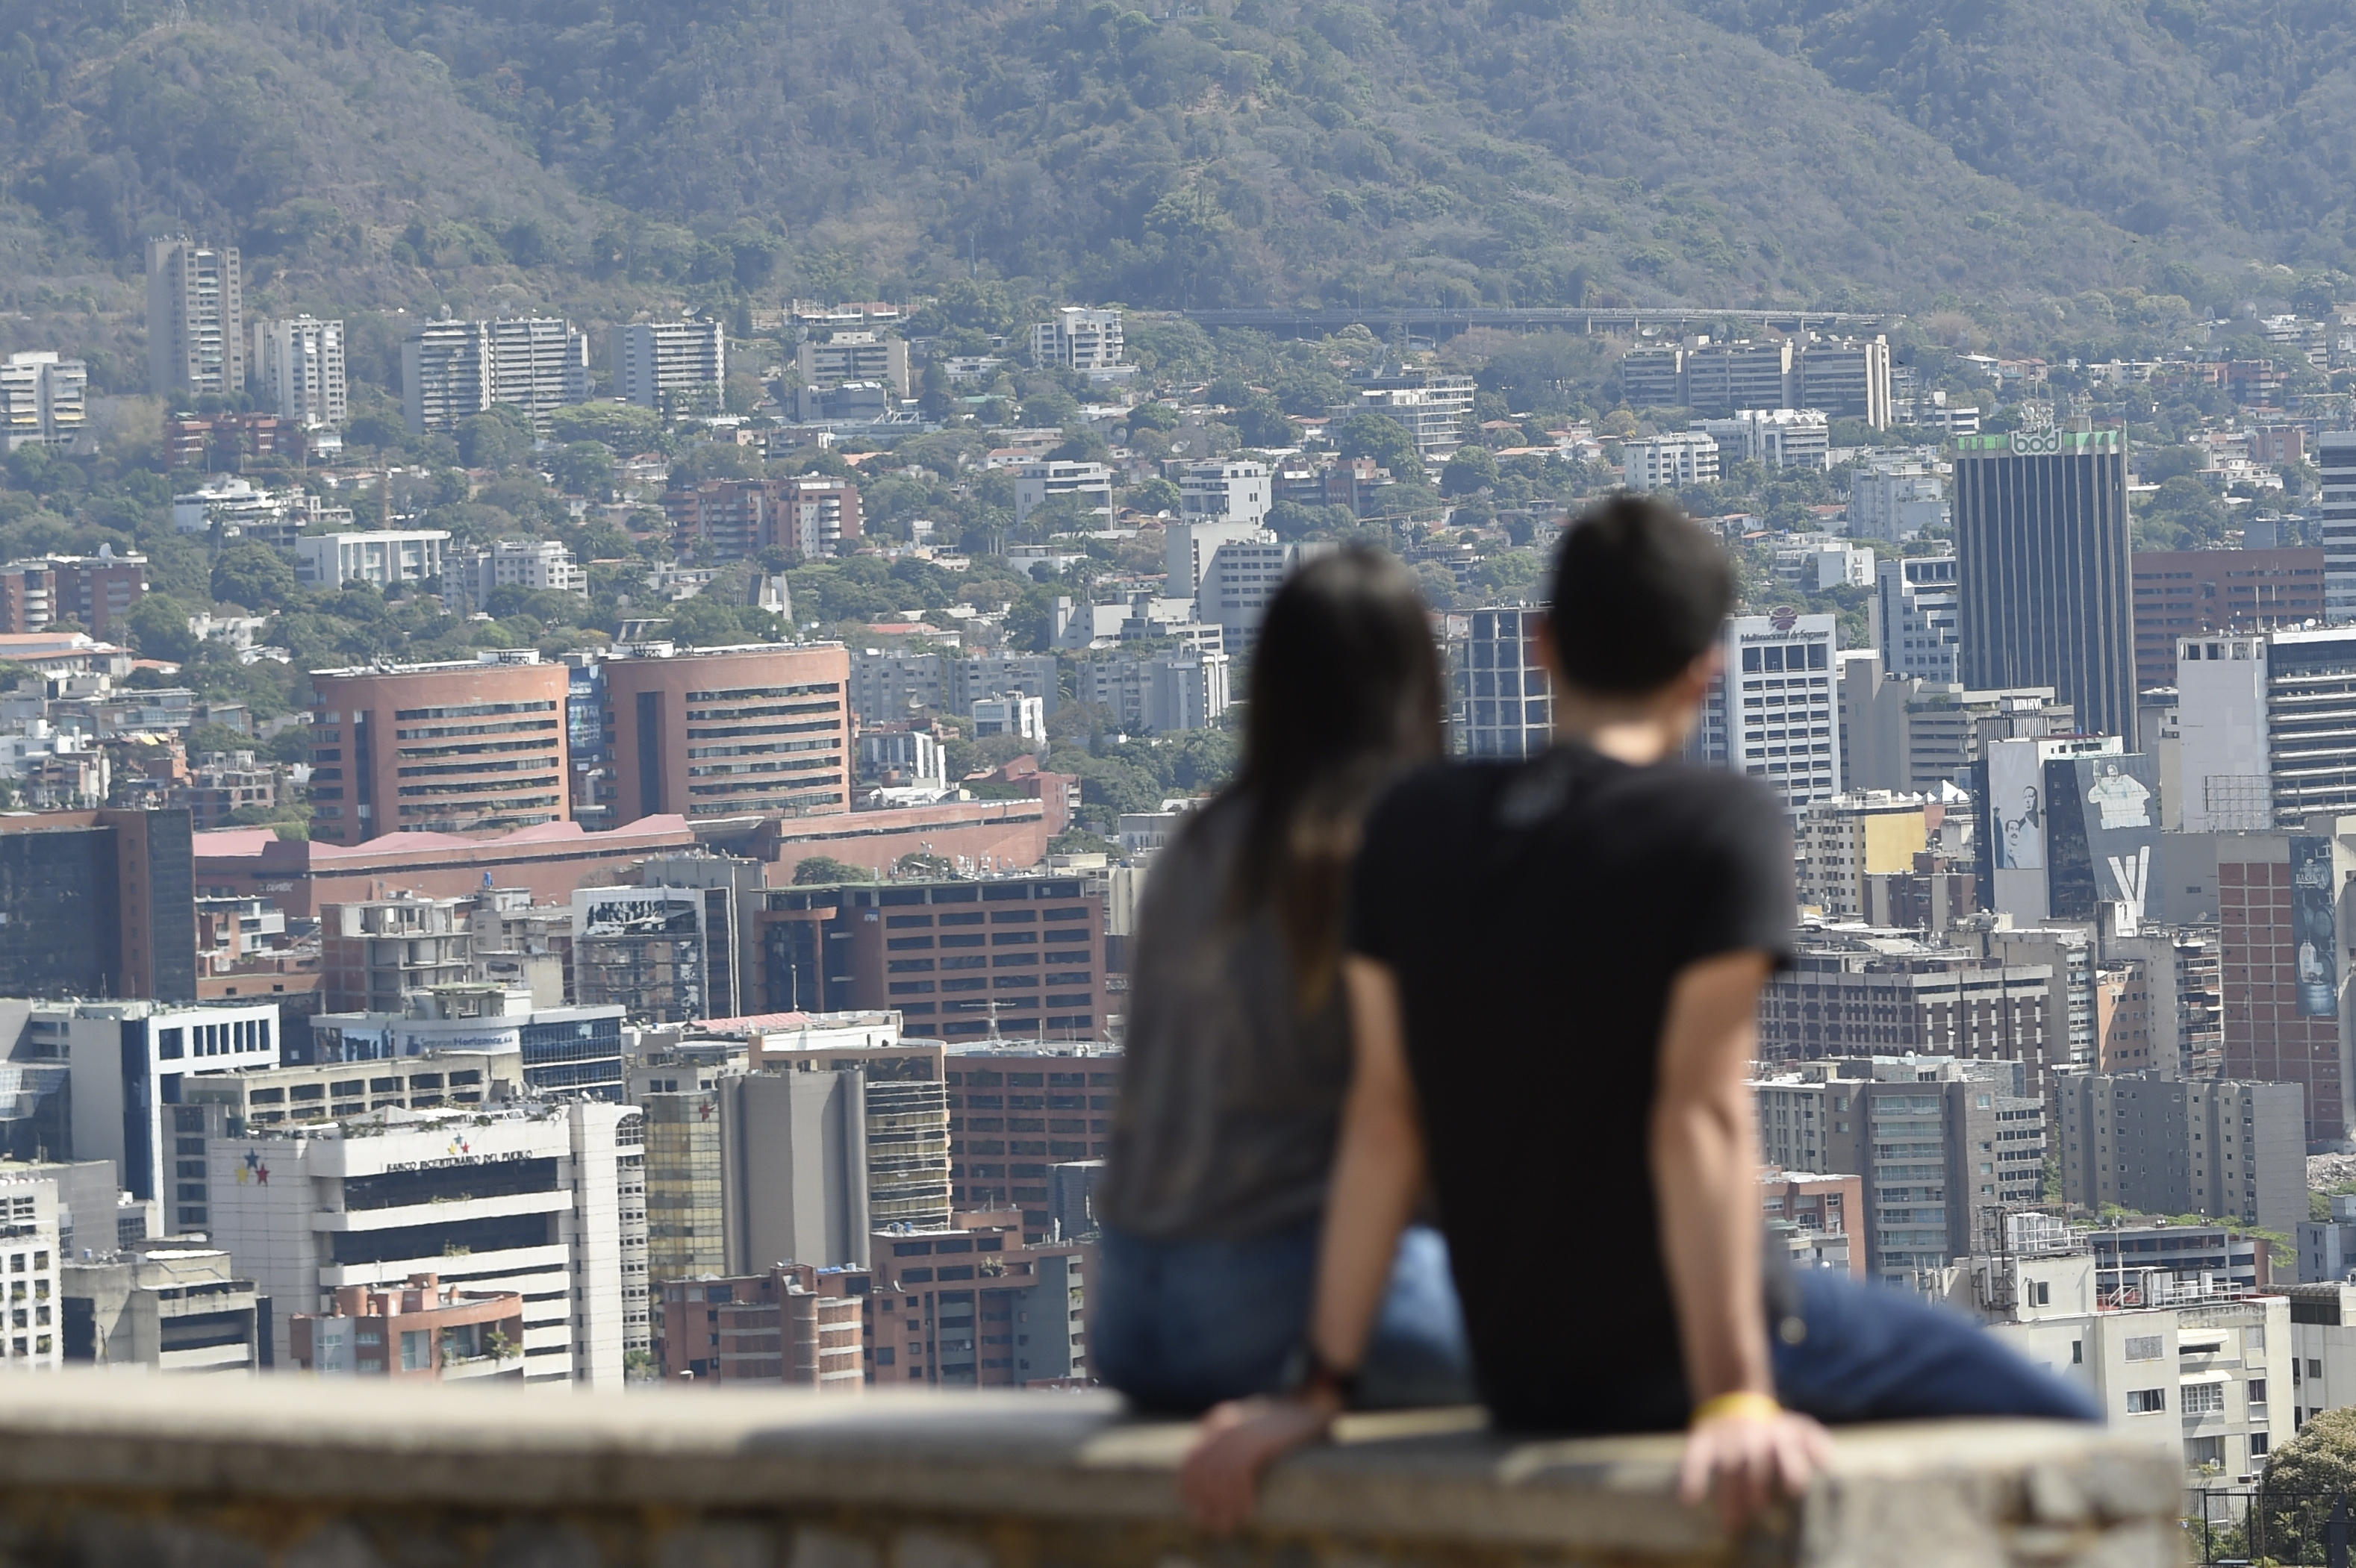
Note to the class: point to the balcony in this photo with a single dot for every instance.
(99, 1470)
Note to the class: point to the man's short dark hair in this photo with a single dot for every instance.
(1639, 593)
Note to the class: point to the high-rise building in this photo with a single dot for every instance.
(853, 357)
(44, 400)
(34, 1336)
(1939, 1002)
(970, 1308)
(1667, 462)
(1945, 1147)
(98, 903)
(196, 320)
(182, 1309)
(678, 367)
(1242, 576)
(1845, 378)
(1771, 712)
(1721, 377)
(1500, 700)
(2181, 593)
(1225, 492)
(300, 366)
(901, 1096)
(1914, 617)
(1077, 338)
(1844, 840)
(712, 732)
(2335, 456)
(1773, 438)
(807, 516)
(886, 687)
(474, 746)
(526, 1199)
(1895, 501)
(1161, 695)
(1434, 409)
(1032, 674)
(2279, 941)
(381, 558)
(2265, 728)
(2042, 546)
(536, 566)
(1024, 954)
(2228, 1149)
(798, 1323)
(452, 369)
(1017, 1110)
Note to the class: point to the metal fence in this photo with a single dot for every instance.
(2233, 1527)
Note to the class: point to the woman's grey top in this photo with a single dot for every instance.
(1230, 1096)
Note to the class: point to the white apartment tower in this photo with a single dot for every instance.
(196, 319)
(43, 399)
(1771, 712)
(1666, 462)
(32, 1311)
(451, 369)
(527, 1200)
(673, 366)
(300, 366)
(1078, 339)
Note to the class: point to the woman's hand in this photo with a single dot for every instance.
(1234, 1442)
(1747, 1459)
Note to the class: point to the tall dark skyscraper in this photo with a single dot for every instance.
(2048, 597)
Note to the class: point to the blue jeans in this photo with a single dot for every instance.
(1871, 1352)
(1180, 1325)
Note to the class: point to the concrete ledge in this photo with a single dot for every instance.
(100, 1469)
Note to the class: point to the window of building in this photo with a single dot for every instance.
(2145, 1400)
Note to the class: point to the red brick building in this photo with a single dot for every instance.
(2266, 1036)
(715, 732)
(420, 1330)
(96, 591)
(221, 443)
(797, 1324)
(2183, 592)
(471, 747)
(733, 519)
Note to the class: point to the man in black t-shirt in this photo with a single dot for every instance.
(1554, 980)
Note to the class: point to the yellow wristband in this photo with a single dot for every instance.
(1744, 1403)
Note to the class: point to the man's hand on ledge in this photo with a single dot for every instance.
(1746, 1460)
(1234, 1443)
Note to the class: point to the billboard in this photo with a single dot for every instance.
(2017, 805)
(2314, 925)
(638, 912)
(2104, 833)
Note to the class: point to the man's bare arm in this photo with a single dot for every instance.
(1705, 1166)
(1378, 1173)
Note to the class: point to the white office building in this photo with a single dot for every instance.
(1771, 714)
(1776, 438)
(453, 370)
(1191, 546)
(1009, 713)
(1239, 579)
(1896, 502)
(1914, 612)
(379, 557)
(1224, 492)
(527, 1200)
(299, 364)
(1036, 483)
(1670, 461)
(129, 1061)
(2266, 726)
(849, 356)
(677, 367)
(2190, 1362)
(32, 1323)
(1080, 339)
(537, 566)
(1160, 695)
(44, 399)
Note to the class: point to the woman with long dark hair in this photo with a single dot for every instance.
(1237, 1053)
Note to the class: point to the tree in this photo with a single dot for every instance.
(586, 468)
(1384, 440)
(254, 575)
(159, 629)
(498, 439)
(1472, 468)
(819, 870)
(1156, 496)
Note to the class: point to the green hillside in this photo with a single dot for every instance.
(380, 156)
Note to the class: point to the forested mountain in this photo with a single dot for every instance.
(374, 154)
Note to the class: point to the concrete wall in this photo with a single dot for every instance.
(106, 1472)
